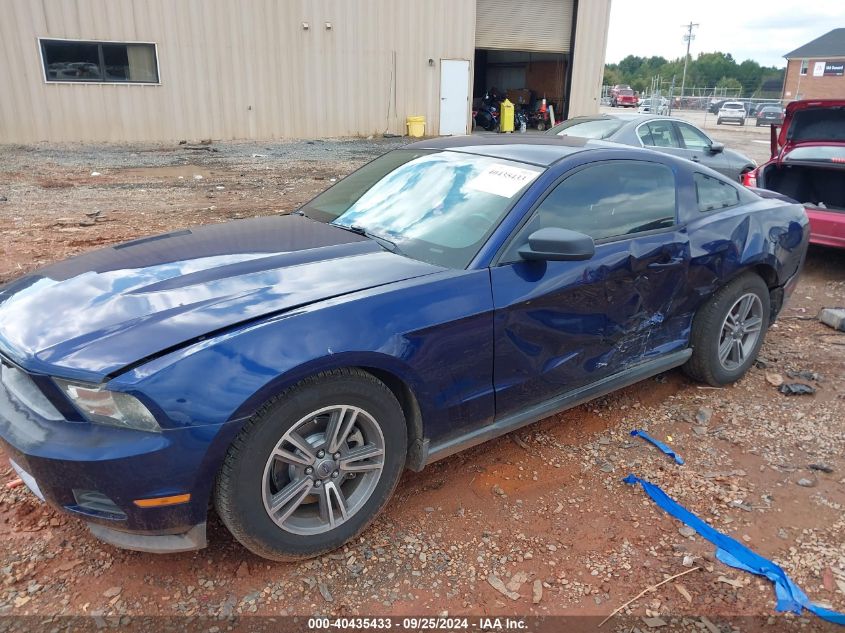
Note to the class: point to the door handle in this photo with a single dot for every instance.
(695, 159)
(675, 261)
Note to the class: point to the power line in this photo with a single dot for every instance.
(688, 38)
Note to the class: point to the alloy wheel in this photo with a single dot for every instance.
(740, 331)
(323, 470)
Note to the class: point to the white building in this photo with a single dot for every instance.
(161, 70)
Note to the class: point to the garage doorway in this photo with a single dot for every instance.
(525, 78)
(454, 96)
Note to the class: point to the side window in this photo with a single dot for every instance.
(661, 133)
(693, 138)
(606, 200)
(645, 135)
(713, 194)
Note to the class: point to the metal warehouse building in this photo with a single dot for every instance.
(151, 70)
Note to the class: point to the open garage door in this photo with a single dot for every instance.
(535, 25)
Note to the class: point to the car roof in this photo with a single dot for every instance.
(536, 150)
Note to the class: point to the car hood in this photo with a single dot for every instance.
(93, 315)
(810, 122)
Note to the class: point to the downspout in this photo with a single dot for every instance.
(567, 91)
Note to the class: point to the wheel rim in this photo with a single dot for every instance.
(740, 331)
(323, 470)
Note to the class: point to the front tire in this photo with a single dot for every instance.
(313, 467)
(728, 331)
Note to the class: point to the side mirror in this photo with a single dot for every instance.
(556, 245)
(717, 148)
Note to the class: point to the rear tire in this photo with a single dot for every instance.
(718, 121)
(344, 429)
(733, 320)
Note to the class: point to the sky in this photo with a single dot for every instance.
(762, 30)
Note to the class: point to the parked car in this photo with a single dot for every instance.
(766, 104)
(770, 115)
(661, 105)
(623, 96)
(714, 106)
(808, 165)
(731, 111)
(288, 368)
(664, 134)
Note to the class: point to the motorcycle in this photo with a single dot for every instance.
(487, 115)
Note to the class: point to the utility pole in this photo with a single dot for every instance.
(688, 38)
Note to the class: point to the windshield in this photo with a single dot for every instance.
(733, 106)
(820, 153)
(437, 207)
(591, 128)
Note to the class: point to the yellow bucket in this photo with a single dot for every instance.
(416, 126)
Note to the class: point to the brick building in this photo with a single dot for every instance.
(817, 69)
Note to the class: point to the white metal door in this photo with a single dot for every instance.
(454, 96)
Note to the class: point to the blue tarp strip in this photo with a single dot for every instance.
(663, 447)
(735, 554)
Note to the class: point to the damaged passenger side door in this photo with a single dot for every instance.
(560, 325)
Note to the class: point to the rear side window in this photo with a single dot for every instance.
(606, 200)
(658, 134)
(714, 194)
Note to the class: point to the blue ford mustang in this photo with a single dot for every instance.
(288, 368)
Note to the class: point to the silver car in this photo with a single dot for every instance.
(661, 133)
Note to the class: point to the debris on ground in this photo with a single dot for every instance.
(734, 554)
(804, 375)
(824, 468)
(774, 379)
(660, 445)
(499, 586)
(796, 389)
(833, 317)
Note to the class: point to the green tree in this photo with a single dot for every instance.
(612, 75)
(730, 86)
(705, 71)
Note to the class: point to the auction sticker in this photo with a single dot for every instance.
(502, 180)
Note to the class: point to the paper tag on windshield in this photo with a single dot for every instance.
(502, 180)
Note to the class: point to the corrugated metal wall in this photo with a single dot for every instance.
(590, 47)
(235, 69)
(529, 25)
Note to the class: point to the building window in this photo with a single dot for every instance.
(99, 62)
(805, 65)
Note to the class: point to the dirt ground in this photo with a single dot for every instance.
(543, 510)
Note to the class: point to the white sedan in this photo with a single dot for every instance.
(654, 105)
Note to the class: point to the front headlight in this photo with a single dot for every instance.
(112, 408)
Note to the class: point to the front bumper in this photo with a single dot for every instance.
(97, 473)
